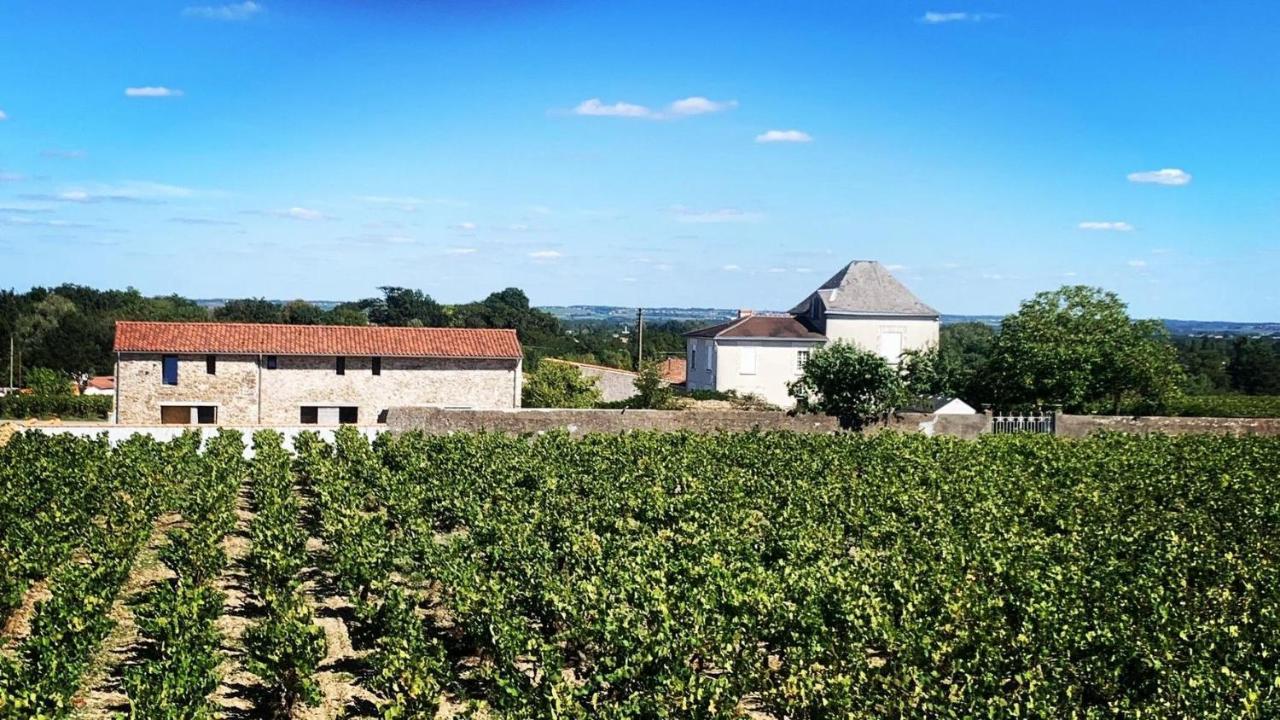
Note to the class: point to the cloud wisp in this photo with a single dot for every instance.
(152, 91)
(721, 215)
(942, 18)
(545, 255)
(231, 12)
(1164, 176)
(1106, 225)
(686, 107)
(784, 136)
(64, 154)
(3, 116)
(133, 191)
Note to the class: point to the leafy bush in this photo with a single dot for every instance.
(64, 406)
(652, 391)
(1226, 406)
(848, 382)
(559, 385)
(48, 383)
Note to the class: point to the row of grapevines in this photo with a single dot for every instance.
(135, 480)
(178, 618)
(678, 575)
(344, 482)
(49, 489)
(286, 646)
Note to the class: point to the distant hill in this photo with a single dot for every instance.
(603, 313)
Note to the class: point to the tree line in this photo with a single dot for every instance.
(70, 328)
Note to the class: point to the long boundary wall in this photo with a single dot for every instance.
(577, 422)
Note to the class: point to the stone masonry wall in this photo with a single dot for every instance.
(302, 380)
(576, 422)
(140, 390)
(613, 384)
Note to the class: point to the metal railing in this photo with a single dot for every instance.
(1004, 423)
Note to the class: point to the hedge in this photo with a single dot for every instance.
(62, 406)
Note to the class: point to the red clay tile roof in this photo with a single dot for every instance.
(761, 326)
(265, 339)
(102, 382)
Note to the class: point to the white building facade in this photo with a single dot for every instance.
(863, 305)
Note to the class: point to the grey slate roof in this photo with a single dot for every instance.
(761, 326)
(865, 287)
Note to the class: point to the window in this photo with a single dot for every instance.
(272, 362)
(188, 414)
(747, 361)
(710, 352)
(211, 364)
(802, 357)
(206, 414)
(891, 347)
(310, 415)
(348, 415)
(328, 415)
(693, 358)
(342, 366)
(377, 366)
(170, 373)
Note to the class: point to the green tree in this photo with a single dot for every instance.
(248, 310)
(346, 314)
(652, 392)
(1078, 348)
(48, 383)
(1255, 366)
(964, 350)
(923, 374)
(301, 312)
(403, 306)
(559, 385)
(848, 382)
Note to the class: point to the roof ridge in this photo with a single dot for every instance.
(232, 323)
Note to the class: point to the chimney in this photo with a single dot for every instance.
(745, 313)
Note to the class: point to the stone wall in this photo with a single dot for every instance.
(141, 392)
(307, 380)
(1078, 426)
(437, 421)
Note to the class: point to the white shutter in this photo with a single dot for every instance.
(891, 346)
(747, 360)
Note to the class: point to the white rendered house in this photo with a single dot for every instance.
(863, 304)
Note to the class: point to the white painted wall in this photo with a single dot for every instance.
(698, 375)
(866, 333)
(774, 363)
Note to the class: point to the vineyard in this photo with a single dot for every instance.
(645, 575)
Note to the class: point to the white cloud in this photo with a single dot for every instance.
(465, 227)
(3, 116)
(594, 107)
(131, 191)
(151, 91)
(1165, 176)
(723, 215)
(895, 268)
(1113, 225)
(1069, 274)
(64, 154)
(11, 176)
(233, 11)
(301, 213)
(460, 251)
(776, 270)
(696, 105)
(784, 136)
(628, 279)
(939, 18)
(540, 209)
(1137, 263)
(804, 270)
(545, 254)
(518, 227)
(731, 268)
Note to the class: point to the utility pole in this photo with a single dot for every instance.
(640, 343)
(10, 359)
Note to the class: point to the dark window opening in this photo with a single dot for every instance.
(206, 414)
(170, 369)
(342, 366)
(377, 366)
(211, 364)
(348, 415)
(310, 415)
(272, 362)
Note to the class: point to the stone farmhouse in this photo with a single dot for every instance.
(863, 304)
(260, 374)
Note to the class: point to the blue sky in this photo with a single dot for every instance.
(646, 153)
